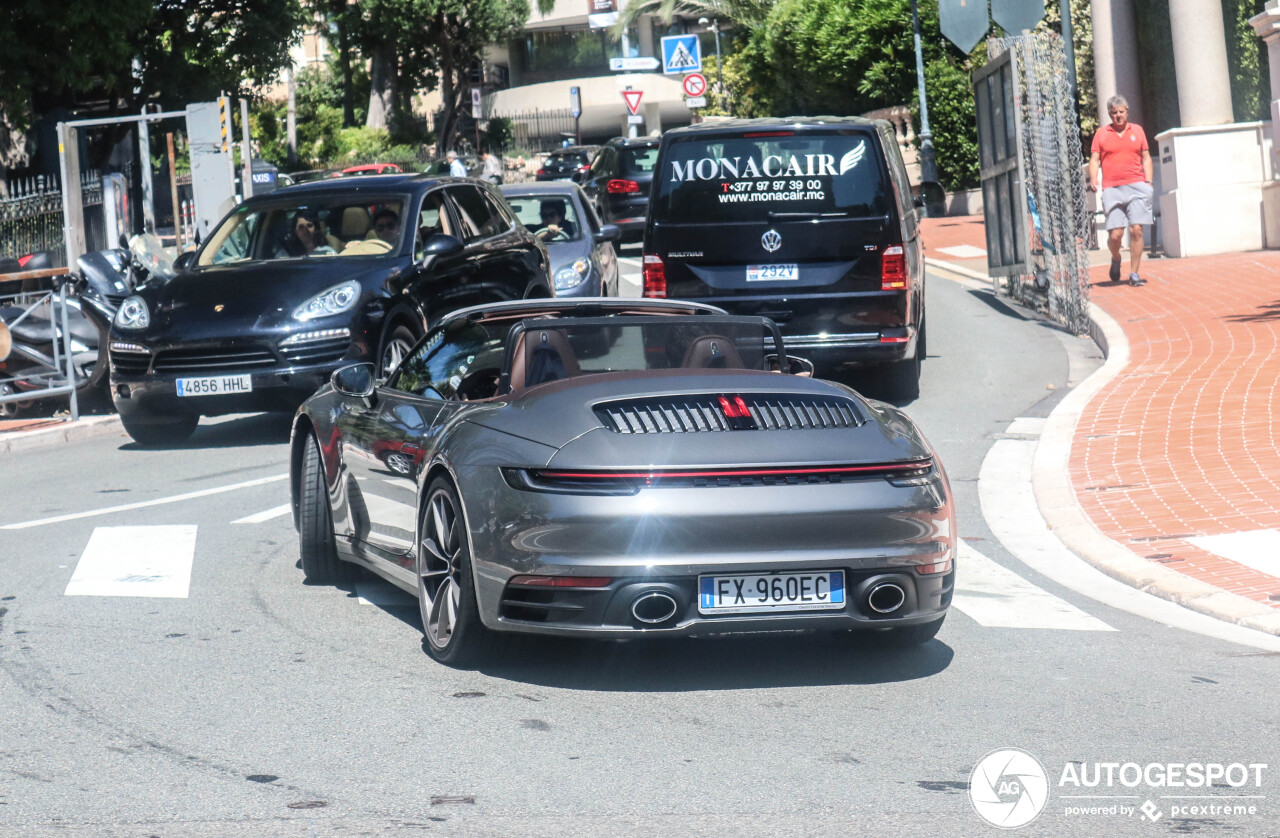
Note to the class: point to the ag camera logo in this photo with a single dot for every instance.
(1008, 788)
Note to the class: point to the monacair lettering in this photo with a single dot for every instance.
(711, 168)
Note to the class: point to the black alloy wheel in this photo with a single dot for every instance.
(317, 548)
(446, 588)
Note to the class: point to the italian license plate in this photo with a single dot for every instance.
(772, 273)
(818, 590)
(215, 385)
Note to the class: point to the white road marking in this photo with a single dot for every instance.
(265, 515)
(996, 597)
(382, 593)
(136, 561)
(963, 251)
(1258, 549)
(108, 510)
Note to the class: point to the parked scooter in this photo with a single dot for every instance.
(103, 279)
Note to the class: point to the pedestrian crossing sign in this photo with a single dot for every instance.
(681, 54)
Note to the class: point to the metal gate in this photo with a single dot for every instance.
(1033, 179)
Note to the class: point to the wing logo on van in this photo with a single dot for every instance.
(771, 240)
(853, 157)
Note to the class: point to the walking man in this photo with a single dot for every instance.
(1120, 155)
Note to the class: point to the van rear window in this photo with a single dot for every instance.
(725, 179)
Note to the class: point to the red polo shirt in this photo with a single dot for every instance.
(1120, 154)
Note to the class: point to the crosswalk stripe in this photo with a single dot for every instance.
(136, 562)
(265, 515)
(996, 597)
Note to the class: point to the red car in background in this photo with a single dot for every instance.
(371, 169)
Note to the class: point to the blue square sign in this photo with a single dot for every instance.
(681, 54)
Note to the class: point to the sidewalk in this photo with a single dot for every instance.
(1175, 460)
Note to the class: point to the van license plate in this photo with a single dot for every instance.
(216, 385)
(818, 590)
(772, 273)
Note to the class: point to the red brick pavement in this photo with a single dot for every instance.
(1184, 441)
(938, 233)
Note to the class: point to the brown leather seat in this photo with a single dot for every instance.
(715, 352)
(542, 355)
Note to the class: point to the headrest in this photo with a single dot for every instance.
(542, 355)
(356, 222)
(712, 352)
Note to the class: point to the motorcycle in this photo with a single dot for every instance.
(28, 324)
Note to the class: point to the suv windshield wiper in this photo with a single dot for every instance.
(776, 215)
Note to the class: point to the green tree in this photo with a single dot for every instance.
(750, 14)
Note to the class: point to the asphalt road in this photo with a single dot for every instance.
(256, 705)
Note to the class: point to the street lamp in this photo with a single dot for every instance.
(714, 26)
(928, 163)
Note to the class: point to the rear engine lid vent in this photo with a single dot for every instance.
(694, 414)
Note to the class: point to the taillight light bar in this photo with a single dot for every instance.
(893, 268)
(655, 276)
(885, 469)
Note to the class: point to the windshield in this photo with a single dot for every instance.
(309, 226)
(552, 217)
(771, 174)
(638, 160)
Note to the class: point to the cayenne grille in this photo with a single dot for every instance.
(316, 352)
(214, 359)
(692, 414)
(130, 363)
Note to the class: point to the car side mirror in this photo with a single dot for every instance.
(184, 260)
(933, 198)
(608, 233)
(356, 381)
(441, 245)
(802, 367)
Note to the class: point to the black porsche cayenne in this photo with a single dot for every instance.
(292, 285)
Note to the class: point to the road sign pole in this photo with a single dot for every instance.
(928, 162)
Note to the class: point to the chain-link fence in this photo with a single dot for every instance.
(1059, 225)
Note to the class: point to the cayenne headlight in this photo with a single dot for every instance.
(336, 300)
(571, 276)
(133, 314)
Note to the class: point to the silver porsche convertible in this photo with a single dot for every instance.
(621, 468)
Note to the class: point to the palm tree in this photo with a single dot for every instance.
(745, 13)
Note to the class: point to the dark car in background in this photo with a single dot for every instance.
(292, 285)
(583, 261)
(808, 221)
(618, 183)
(567, 163)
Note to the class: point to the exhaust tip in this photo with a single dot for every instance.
(886, 598)
(654, 607)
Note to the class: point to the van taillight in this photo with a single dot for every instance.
(621, 187)
(655, 276)
(893, 269)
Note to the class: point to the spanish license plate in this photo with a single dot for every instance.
(818, 590)
(772, 273)
(215, 385)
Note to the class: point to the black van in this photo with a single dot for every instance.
(809, 221)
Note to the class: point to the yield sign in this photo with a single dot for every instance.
(695, 84)
(632, 98)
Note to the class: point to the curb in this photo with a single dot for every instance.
(85, 428)
(1050, 480)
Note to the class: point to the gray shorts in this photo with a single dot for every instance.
(1127, 204)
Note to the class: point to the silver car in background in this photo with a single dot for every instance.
(583, 260)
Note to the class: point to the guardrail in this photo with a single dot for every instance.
(31, 371)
